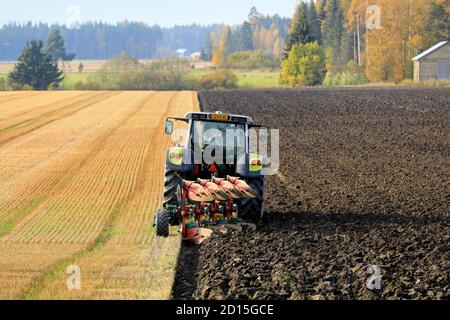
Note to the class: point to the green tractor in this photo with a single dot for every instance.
(212, 181)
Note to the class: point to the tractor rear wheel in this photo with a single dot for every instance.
(252, 209)
(172, 192)
(162, 223)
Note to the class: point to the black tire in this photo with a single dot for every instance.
(252, 209)
(172, 185)
(162, 223)
(172, 192)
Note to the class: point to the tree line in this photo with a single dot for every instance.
(100, 41)
(38, 69)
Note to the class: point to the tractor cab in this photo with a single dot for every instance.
(216, 143)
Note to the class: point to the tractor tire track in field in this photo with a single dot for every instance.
(17, 96)
(363, 181)
(121, 205)
(63, 181)
(47, 184)
(27, 126)
(117, 202)
(58, 267)
(135, 273)
(61, 147)
(95, 151)
(13, 113)
(145, 270)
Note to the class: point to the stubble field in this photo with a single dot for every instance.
(80, 178)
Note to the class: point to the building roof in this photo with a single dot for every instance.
(432, 49)
(196, 54)
(182, 50)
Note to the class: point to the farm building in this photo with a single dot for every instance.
(196, 56)
(181, 53)
(433, 64)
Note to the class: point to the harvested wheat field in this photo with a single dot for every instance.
(80, 178)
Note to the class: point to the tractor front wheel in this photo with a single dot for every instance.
(252, 209)
(172, 193)
(162, 223)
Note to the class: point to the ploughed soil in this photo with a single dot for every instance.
(363, 181)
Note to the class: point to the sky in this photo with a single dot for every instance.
(162, 12)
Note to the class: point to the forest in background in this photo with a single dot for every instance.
(328, 42)
(101, 41)
(360, 40)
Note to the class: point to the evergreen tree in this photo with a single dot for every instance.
(226, 41)
(299, 32)
(56, 48)
(246, 37)
(322, 13)
(35, 69)
(437, 22)
(208, 49)
(254, 16)
(235, 41)
(347, 46)
(314, 22)
(333, 29)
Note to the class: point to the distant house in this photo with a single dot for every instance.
(433, 64)
(196, 56)
(181, 53)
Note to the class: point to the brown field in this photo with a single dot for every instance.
(363, 180)
(80, 178)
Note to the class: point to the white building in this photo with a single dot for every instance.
(181, 53)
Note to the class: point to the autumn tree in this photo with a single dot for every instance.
(277, 48)
(223, 47)
(305, 65)
(217, 56)
(226, 41)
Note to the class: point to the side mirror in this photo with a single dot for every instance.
(169, 127)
